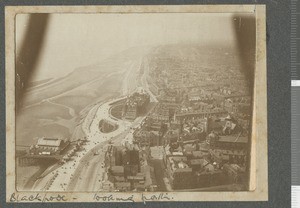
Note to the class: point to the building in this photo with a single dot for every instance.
(171, 136)
(235, 172)
(230, 142)
(179, 172)
(229, 156)
(128, 169)
(117, 171)
(48, 146)
(200, 113)
(135, 105)
(160, 114)
(210, 178)
(146, 138)
(230, 148)
(157, 152)
(196, 164)
(182, 178)
(122, 186)
(108, 186)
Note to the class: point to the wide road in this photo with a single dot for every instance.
(145, 84)
(59, 179)
(85, 171)
(91, 173)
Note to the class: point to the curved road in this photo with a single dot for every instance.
(61, 177)
(85, 172)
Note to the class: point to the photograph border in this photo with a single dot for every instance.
(258, 175)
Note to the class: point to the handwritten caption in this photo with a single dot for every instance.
(96, 197)
(37, 198)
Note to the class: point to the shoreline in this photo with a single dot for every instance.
(61, 176)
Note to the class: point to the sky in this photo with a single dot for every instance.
(76, 40)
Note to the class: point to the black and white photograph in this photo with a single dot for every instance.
(136, 102)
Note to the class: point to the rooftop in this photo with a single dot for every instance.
(122, 185)
(117, 169)
(234, 138)
(49, 142)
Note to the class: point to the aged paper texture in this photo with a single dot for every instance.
(136, 103)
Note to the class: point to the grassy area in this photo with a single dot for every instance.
(116, 111)
(107, 127)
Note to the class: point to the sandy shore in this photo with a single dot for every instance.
(84, 163)
(59, 179)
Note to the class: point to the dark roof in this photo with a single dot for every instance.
(234, 139)
(200, 112)
(178, 170)
(198, 153)
(178, 158)
(196, 162)
(216, 125)
(117, 169)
